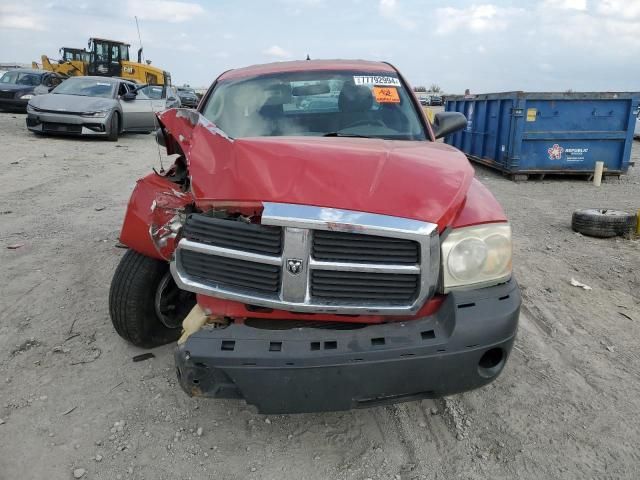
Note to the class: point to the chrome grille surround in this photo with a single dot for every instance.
(298, 223)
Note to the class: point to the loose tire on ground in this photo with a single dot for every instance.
(602, 222)
(132, 301)
(114, 127)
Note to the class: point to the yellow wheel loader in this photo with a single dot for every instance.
(73, 61)
(106, 58)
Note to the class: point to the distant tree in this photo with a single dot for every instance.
(435, 88)
(568, 91)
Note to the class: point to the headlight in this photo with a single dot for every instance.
(99, 114)
(28, 96)
(477, 256)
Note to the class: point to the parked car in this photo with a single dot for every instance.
(423, 98)
(435, 100)
(188, 97)
(19, 86)
(317, 259)
(636, 131)
(95, 106)
(160, 92)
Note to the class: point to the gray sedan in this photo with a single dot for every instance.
(95, 106)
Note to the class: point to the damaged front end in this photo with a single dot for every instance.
(317, 287)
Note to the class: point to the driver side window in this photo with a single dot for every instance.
(122, 89)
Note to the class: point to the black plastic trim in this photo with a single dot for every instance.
(325, 370)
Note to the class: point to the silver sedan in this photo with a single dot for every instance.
(95, 106)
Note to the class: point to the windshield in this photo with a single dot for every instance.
(85, 87)
(22, 78)
(186, 91)
(316, 103)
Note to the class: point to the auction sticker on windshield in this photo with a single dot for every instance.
(386, 94)
(377, 80)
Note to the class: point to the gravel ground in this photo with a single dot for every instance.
(71, 399)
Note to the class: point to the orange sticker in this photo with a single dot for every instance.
(386, 94)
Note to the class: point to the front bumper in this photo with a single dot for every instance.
(461, 347)
(13, 104)
(68, 124)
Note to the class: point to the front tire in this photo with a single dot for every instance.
(114, 127)
(139, 298)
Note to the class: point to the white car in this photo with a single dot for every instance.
(636, 132)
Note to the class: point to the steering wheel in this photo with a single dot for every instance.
(359, 123)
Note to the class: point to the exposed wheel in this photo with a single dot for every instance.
(114, 127)
(519, 177)
(603, 222)
(145, 305)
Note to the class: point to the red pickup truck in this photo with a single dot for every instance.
(327, 252)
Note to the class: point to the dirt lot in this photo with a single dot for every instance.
(70, 396)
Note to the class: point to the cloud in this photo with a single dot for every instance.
(164, 10)
(476, 18)
(580, 5)
(390, 10)
(625, 9)
(276, 51)
(13, 16)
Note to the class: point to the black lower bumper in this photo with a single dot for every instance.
(463, 346)
(13, 105)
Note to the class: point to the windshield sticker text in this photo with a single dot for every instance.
(377, 80)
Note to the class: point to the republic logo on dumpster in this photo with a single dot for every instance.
(555, 152)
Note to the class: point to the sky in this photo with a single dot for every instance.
(486, 46)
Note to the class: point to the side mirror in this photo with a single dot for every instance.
(445, 123)
(129, 96)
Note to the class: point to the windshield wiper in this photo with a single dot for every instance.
(339, 134)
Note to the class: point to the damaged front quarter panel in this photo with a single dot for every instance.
(160, 202)
(156, 211)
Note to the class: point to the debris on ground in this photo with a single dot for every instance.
(79, 473)
(15, 246)
(25, 346)
(143, 356)
(576, 283)
(67, 412)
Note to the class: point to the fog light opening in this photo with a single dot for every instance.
(491, 363)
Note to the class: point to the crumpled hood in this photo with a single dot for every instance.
(421, 180)
(72, 103)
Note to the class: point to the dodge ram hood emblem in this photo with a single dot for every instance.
(294, 266)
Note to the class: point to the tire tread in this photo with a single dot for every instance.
(131, 301)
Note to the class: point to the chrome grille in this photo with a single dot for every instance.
(233, 234)
(348, 287)
(311, 259)
(231, 272)
(353, 247)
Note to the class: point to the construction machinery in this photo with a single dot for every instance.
(106, 58)
(73, 61)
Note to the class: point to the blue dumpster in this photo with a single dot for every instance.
(524, 133)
